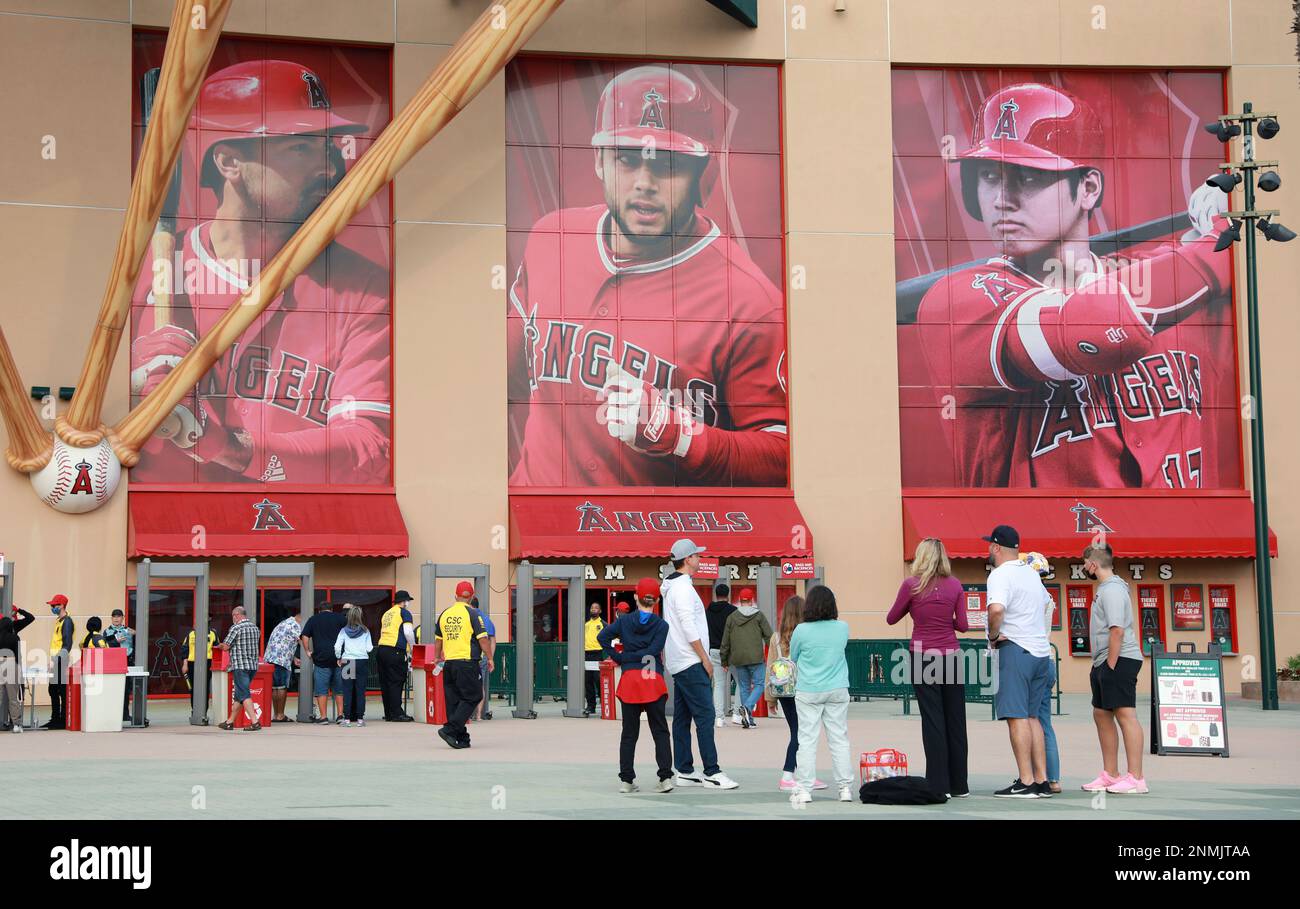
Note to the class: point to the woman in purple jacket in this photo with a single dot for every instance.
(933, 598)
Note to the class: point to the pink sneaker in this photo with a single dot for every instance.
(791, 785)
(1128, 784)
(1100, 782)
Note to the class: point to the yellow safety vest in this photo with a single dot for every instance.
(189, 645)
(390, 627)
(458, 629)
(594, 627)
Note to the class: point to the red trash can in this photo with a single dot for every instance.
(72, 700)
(259, 690)
(432, 698)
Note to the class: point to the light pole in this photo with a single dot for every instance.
(1234, 173)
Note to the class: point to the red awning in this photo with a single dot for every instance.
(261, 523)
(1141, 526)
(629, 526)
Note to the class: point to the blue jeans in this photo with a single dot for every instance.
(1045, 720)
(749, 682)
(693, 700)
(325, 679)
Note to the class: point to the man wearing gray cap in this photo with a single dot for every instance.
(686, 656)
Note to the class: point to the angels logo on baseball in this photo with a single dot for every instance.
(77, 480)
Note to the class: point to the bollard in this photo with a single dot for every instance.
(608, 705)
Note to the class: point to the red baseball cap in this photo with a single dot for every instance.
(647, 587)
(745, 594)
(464, 589)
(57, 600)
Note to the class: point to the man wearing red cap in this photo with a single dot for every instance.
(458, 638)
(641, 686)
(60, 645)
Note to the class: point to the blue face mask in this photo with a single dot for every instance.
(54, 610)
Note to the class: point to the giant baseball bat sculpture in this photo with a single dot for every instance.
(185, 63)
(474, 60)
(29, 444)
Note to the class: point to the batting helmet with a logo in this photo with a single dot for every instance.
(1032, 125)
(260, 98)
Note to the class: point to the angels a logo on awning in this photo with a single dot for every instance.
(269, 516)
(592, 518)
(1087, 521)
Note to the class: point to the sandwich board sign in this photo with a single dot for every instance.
(1188, 712)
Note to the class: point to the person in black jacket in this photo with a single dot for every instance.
(641, 688)
(716, 615)
(11, 679)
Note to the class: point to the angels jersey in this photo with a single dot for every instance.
(308, 381)
(1125, 380)
(704, 324)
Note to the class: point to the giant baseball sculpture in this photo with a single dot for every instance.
(82, 468)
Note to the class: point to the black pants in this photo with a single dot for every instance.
(355, 675)
(654, 712)
(189, 674)
(462, 689)
(392, 678)
(943, 733)
(593, 679)
(792, 720)
(59, 689)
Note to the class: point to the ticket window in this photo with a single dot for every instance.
(1151, 617)
(1223, 616)
(1079, 612)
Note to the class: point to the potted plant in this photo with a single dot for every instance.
(1288, 683)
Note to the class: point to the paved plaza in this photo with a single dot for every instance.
(557, 767)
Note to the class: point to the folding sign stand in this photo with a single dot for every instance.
(305, 572)
(476, 572)
(576, 576)
(145, 572)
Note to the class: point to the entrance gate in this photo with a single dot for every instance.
(305, 572)
(480, 575)
(145, 572)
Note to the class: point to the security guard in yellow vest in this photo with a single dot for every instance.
(60, 647)
(593, 654)
(457, 642)
(187, 665)
(396, 635)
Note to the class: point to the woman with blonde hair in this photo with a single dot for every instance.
(780, 686)
(352, 648)
(934, 600)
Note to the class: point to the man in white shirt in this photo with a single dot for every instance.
(686, 657)
(1024, 659)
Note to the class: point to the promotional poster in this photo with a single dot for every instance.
(305, 396)
(646, 339)
(1063, 319)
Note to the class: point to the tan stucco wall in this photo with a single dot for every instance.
(67, 65)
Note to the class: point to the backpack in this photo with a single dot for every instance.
(781, 674)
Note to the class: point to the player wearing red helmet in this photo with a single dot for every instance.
(650, 401)
(1061, 362)
(304, 396)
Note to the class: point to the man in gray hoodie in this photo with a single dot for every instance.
(743, 637)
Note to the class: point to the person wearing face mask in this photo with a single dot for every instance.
(592, 649)
(641, 688)
(60, 646)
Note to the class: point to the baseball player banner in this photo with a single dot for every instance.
(305, 396)
(646, 315)
(1063, 318)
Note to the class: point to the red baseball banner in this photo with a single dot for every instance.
(305, 396)
(646, 318)
(1063, 319)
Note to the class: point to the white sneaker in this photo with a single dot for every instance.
(720, 780)
(682, 780)
(17, 727)
(361, 722)
(664, 786)
(736, 720)
(846, 793)
(717, 723)
(629, 787)
(799, 798)
(344, 723)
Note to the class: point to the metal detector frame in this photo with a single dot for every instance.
(305, 572)
(200, 573)
(430, 573)
(576, 575)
